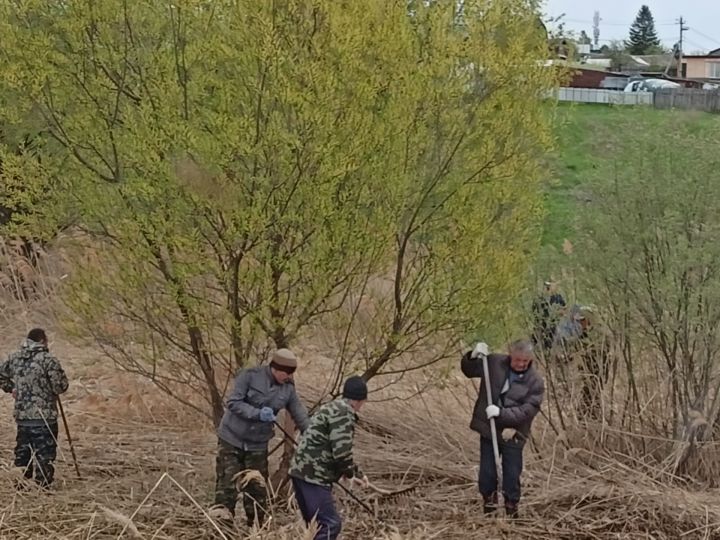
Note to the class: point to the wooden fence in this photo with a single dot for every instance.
(688, 98)
(609, 97)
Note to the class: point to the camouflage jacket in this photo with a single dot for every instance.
(37, 379)
(324, 453)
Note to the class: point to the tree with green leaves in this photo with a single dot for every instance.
(643, 37)
(648, 258)
(249, 175)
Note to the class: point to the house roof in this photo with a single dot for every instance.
(599, 62)
(652, 59)
(715, 53)
(597, 69)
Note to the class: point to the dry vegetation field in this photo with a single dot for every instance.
(147, 468)
(147, 463)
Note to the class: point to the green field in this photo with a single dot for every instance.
(586, 135)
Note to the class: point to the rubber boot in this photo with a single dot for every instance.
(490, 504)
(511, 510)
(224, 518)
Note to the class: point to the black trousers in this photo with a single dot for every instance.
(512, 465)
(36, 450)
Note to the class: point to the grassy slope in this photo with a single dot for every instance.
(583, 135)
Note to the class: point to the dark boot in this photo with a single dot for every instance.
(511, 510)
(490, 504)
(21, 485)
(224, 518)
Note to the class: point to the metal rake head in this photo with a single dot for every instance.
(391, 496)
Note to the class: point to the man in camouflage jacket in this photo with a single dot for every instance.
(246, 429)
(36, 379)
(324, 456)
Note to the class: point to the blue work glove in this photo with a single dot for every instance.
(267, 415)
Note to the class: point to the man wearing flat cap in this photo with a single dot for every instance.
(247, 428)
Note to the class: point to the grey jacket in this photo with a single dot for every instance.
(256, 388)
(518, 405)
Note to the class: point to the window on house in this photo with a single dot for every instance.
(713, 70)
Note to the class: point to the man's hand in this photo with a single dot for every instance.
(492, 411)
(363, 482)
(481, 350)
(267, 415)
(14, 393)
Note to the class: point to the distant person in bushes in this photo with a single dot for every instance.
(547, 310)
(35, 379)
(325, 455)
(587, 345)
(517, 392)
(246, 429)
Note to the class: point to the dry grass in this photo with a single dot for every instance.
(148, 472)
(148, 468)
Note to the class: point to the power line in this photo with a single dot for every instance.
(668, 39)
(695, 45)
(699, 33)
(603, 23)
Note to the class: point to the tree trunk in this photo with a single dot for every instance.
(279, 478)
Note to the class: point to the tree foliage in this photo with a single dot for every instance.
(643, 37)
(649, 258)
(248, 173)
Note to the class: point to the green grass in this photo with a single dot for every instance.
(585, 135)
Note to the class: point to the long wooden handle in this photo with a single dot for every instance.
(347, 490)
(67, 434)
(493, 429)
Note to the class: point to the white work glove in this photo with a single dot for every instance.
(492, 411)
(481, 349)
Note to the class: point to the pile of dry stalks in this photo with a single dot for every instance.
(146, 475)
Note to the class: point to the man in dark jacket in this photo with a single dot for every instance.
(547, 309)
(36, 379)
(246, 429)
(517, 391)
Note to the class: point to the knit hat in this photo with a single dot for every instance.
(355, 388)
(284, 360)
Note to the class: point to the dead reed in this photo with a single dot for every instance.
(153, 479)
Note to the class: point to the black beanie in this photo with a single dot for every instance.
(355, 388)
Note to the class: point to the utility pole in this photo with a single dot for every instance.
(683, 29)
(596, 29)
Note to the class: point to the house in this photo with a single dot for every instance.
(702, 66)
(586, 76)
(650, 63)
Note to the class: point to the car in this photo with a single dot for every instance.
(650, 85)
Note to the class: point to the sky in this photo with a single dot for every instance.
(702, 16)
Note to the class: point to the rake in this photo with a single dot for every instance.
(381, 493)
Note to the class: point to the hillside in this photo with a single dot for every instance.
(584, 137)
(148, 464)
